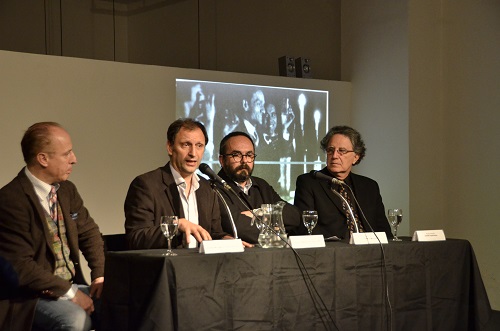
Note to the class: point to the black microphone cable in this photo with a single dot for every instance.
(332, 181)
(385, 284)
(311, 288)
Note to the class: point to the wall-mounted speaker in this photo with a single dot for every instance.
(287, 66)
(303, 67)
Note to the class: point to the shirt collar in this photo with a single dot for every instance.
(247, 186)
(179, 180)
(42, 189)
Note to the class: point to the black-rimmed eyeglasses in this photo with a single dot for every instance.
(237, 157)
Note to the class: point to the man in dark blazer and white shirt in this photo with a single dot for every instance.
(174, 190)
(344, 148)
(43, 249)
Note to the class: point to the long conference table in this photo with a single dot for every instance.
(420, 286)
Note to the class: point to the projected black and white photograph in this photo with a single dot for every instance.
(286, 125)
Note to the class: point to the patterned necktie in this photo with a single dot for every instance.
(53, 204)
(350, 222)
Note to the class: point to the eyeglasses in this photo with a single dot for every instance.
(237, 156)
(341, 151)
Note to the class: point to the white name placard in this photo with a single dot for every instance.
(306, 241)
(368, 238)
(429, 235)
(221, 246)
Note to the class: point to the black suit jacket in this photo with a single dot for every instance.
(262, 192)
(155, 194)
(315, 194)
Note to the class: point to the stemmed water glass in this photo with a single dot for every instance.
(169, 226)
(310, 219)
(395, 217)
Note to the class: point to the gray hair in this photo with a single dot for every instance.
(353, 135)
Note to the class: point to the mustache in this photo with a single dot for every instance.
(243, 166)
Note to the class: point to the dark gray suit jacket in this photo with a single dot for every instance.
(315, 194)
(25, 242)
(155, 194)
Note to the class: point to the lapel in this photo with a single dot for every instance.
(201, 201)
(171, 191)
(63, 199)
(28, 189)
(359, 191)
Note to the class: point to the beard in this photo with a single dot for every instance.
(239, 174)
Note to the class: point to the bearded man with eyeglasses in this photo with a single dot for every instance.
(236, 158)
(344, 149)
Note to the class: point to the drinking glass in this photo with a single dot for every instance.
(395, 217)
(310, 219)
(169, 226)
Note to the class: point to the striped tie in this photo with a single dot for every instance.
(53, 204)
(350, 222)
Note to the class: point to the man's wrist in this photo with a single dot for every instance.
(71, 293)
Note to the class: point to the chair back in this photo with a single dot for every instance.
(114, 242)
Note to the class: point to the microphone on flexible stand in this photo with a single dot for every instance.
(361, 210)
(322, 176)
(205, 168)
(350, 209)
(214, 178)
(333, 180)
(216, 189)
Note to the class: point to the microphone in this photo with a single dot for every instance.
(322, 176)
(333, 180)
(205, 168)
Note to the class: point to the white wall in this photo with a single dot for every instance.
(375, 61)
(471, 112)
(426, 79)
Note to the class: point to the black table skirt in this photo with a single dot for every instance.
(430, 286)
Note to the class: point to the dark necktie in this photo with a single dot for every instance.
(350, 223)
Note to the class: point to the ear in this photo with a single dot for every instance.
(43, 159)
(356, 158)
(169, 148)
(221, 158)
(245, 104)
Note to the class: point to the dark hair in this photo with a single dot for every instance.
(223, 142)
(36, 139)
(186, 123)
(354, 136)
